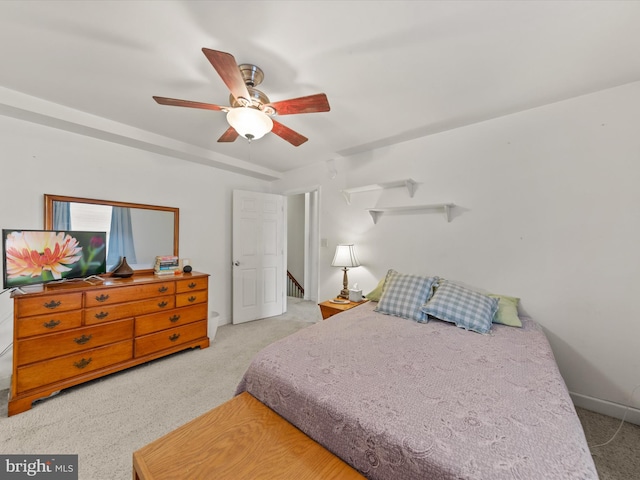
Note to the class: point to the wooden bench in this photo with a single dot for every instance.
(240, 439)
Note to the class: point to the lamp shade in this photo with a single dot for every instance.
(249, 122)
(345, 257)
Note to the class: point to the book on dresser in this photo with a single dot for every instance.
(166, 265)
(69, 333)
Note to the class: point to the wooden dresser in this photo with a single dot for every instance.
(68, 333)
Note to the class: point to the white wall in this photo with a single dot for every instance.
(36, 160)
(547, 212)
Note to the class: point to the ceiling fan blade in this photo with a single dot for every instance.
(310, 104)
(294, 138)
(187, 103)
(229, 136)
(226, 66)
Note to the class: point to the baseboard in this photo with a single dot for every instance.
(5, 382)
(605, 407)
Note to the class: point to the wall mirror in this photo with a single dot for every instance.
(136, 231)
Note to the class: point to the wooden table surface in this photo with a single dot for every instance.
(240, 439)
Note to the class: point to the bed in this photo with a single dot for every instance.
(399, 399)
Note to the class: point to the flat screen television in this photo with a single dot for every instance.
(32, 257)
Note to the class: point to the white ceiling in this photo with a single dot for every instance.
(392, 70)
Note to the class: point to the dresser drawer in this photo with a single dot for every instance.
(130, 293)
(191, 284)
(107, 313)
(50, 323)
(173, 337)
(62, 368)
(191, 298)
(156, 322)
(49, 346)
(48, 304)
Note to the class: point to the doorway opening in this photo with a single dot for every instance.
(303, 232)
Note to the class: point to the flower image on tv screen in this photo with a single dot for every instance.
(32, 257)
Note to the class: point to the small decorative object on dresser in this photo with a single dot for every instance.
(337, 305)
(123, 270)
(68, 333)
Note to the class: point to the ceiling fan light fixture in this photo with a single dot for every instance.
(249, 122)
(250, 111)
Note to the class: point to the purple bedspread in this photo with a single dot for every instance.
(401, 400)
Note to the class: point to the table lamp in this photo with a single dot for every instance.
(346, 258)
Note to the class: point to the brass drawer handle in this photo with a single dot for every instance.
(174, 337)
(174, 318)
(102, 298)
(163, 304)
(82, 363)
(83, 339)
(192, 285)
(163, 289)
(51, 324)
(52, 304)
(101, 315)
(192, 299)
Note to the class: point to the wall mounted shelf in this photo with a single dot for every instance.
(376, 213)
(408, 183)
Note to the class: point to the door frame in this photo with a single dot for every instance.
(312, 241)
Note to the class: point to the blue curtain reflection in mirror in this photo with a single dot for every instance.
(121, 237)
(61, 215)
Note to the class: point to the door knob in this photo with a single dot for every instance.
(236, 263)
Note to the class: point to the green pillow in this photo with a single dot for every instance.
(376, 293)
(507, 313)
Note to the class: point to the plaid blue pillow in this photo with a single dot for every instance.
(466, 308)
(403, 295)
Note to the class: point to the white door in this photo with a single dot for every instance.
(258, 255)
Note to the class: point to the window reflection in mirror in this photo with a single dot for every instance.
(139, 232)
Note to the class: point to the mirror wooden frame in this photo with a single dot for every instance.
(48, 214)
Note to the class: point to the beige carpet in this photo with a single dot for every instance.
(620, 459)
(104, 421)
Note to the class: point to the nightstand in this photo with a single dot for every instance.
(329, 309)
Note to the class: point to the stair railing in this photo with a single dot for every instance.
(294, 289)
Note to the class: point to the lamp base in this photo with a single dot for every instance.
(344, 294)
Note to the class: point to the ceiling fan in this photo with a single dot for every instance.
(250, 112)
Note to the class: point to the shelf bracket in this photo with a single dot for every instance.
(447, 211)
(411, 186)
(375, 215)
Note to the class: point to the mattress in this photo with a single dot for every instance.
(397, 399)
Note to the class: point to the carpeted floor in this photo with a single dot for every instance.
(106, 420)
(620, 459)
